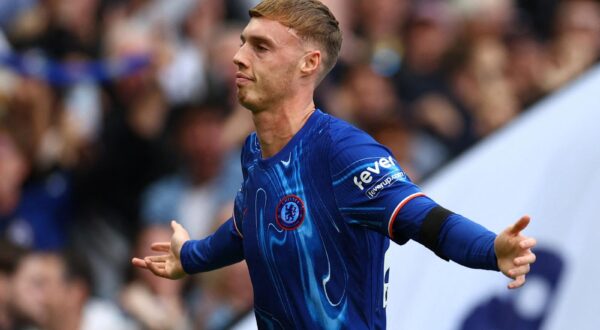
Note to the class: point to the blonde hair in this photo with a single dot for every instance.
(311, 19)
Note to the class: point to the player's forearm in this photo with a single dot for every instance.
(467, 243)
(449, 235)
(220, 249)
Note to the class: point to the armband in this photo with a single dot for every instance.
(430, 229)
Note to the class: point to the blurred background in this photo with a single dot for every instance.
(117, 116)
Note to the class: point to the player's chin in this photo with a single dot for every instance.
(246, 101)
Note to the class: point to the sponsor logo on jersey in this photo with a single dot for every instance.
(290, 212)
(367, 181)
(385, 182)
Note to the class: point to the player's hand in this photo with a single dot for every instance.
(167, 265)
(513, 251)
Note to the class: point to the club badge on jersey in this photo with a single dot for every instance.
(290, 212)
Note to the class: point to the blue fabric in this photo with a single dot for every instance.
(409, 220)
(11, 9)
(468, 243)
(69, 73)
(220, 249)
(313, 223)
(42, 217)
(460, 239)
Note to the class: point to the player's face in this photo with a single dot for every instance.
(268, 64)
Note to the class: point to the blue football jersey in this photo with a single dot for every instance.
(315, 221)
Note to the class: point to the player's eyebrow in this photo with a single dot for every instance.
(257, 40)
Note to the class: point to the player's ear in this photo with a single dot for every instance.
(310, 62)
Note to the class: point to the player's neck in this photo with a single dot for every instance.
(277, 126)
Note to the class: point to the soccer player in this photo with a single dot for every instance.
(320, 199)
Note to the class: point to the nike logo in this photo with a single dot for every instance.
(287, 163)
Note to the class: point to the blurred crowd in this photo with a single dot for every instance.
(97, 154)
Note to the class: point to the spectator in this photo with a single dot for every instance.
(226, 293)
(575, 45)
(10, 254)
(155, 303)
(36, 214)
(52, 291)
(194, 194)
(369, 99)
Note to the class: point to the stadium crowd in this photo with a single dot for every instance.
(117, 116)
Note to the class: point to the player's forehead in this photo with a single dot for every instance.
(270, 31)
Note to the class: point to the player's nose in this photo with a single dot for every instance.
(239, 59)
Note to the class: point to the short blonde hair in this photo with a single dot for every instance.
(311, 19)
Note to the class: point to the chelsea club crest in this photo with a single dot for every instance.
(290, 212)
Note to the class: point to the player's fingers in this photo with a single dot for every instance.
(161, 246)
(153, 267)
(526, 259)
(139, 263)
(520, 224)
(160, 259)
(527, 243)
(519, 271)
(517, 283)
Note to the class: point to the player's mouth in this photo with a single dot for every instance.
(242, 79)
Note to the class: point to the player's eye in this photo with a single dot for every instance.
(261, 48)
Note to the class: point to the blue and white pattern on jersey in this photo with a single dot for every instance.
(312, 263)
(325, 304)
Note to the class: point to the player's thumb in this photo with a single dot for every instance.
(177, 228)
(179, 231)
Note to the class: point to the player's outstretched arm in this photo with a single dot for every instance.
(513, 251)
(167, 265)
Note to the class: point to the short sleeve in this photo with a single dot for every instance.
(370, 186)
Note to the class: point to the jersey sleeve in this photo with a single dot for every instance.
(220, 249)
(372, 191)
(369, 185)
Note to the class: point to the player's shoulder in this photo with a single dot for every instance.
(344, 137)
(345, 134)
(352, 148)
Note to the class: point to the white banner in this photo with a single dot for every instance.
(545, 164)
